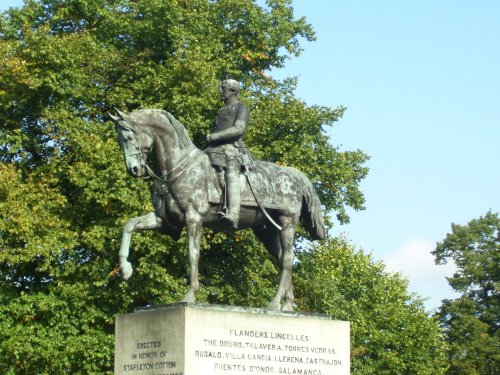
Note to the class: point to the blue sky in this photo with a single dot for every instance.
(421, 81)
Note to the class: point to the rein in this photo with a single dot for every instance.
(167, 177)
(143, 152)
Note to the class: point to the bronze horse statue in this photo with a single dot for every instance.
(157, 146)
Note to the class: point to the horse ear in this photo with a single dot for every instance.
(123, 115)
(114, 118)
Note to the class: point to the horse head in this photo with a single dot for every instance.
(135, 143)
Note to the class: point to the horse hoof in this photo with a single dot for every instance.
(126, 270)
(288, 306)
(189, 298)
(273, 305)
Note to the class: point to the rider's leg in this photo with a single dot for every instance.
(233, 191)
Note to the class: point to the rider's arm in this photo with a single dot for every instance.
(235, 131)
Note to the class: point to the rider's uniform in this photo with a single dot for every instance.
(226, 150)
(230, 124)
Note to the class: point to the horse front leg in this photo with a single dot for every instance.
(194, 229)
(149, 221)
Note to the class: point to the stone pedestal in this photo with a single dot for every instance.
(192, 339)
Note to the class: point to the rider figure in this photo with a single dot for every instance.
(226, 145)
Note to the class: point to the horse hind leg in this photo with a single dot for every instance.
(280, 246)
(270, 238)
(285, 289)
(289, 297)
(286, 239)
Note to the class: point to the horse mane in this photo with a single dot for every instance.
(184, 140)
(182, 134)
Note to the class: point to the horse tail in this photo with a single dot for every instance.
(312, 213)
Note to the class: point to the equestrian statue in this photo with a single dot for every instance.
(222, 188)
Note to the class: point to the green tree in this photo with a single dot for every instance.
(471, 321)
(391, 333)
(64, 194)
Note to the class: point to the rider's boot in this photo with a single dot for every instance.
(233, 197)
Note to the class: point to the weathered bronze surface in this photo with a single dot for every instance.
(226, 147)
(187, 192)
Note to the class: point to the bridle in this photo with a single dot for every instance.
(135, 150)
(170, 176)
(144, 152)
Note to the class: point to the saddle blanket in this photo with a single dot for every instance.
(262, 185)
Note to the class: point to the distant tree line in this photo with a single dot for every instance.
(470, 322)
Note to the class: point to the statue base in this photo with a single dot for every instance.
(194, 339)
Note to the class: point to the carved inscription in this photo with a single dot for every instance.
(266, 352)
(198, 340)
(150, 357)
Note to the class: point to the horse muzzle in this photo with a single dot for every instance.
(136, 170)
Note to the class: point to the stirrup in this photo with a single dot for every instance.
(230, 218)
(223, 212)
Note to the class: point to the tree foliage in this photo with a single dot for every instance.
(471, 321)
(64, 193)
(391, 333)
